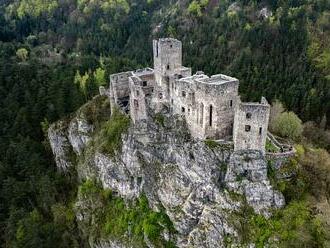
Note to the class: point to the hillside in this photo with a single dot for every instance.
(54, 54)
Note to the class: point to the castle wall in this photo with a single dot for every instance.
(119, 85)
(250, 125)
(208, 107)
(138, 109)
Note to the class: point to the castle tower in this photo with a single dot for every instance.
(251, 125)
(167, 56)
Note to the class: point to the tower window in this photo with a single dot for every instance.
(248, 115)
(171, 45)
(144, 83)
(247, 128)
(260, 130)
(160, 95)
(157, 50)
(183, 109)
(136, 103)
(137, 93)
(211, 113)
(168, 67)
(183, 93)
(231, 103)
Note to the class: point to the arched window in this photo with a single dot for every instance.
(248, 115)
(168, 67)
(211, 115)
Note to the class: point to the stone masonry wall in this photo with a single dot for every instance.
(250, 125)
(208, 108)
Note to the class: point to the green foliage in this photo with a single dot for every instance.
(36, 7)
(82, 81)
(127, 222)
(196, 6)
(288, 125)
(292, 226)
(212, 144)
(99, 77)
(109, 137)
(160, 119)
(270, 147)
(283, 57)
(22, 54)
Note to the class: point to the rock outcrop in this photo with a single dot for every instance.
(192, 181)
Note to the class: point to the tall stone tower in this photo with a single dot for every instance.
(167, 59)
(251, 125)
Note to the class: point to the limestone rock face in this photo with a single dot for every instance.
(190, 180)
(247, 174)
(79, 134)
(58, 138)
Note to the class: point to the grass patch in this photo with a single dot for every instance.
(128, 223)
(211, 143)
(108, 139)
(270, 147)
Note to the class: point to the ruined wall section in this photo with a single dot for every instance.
(119, 85)
(208, 104)
(250, 126)
(141, 91)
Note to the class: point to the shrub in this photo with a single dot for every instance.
(109, 137)
(211, 143)
(288, 125)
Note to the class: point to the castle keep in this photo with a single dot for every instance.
(211, 106)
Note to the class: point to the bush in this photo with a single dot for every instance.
(288, 125)
(133, 220)
(109, 137)
(211, 143)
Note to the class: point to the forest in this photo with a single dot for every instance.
(54, 54)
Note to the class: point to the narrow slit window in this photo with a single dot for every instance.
(231, 103)
(183, 109)
(260, 130)
(211, 115)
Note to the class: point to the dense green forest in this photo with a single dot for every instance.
(55, 53)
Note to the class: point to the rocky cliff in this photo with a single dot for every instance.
(201, 186)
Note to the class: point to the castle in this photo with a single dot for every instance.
(211, 106)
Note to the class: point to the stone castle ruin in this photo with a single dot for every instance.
(211, 106)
